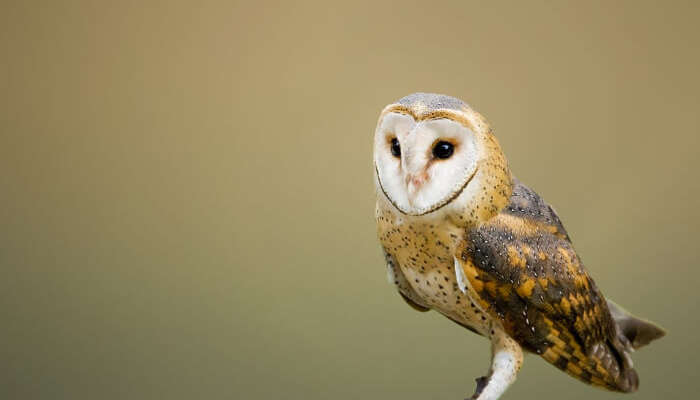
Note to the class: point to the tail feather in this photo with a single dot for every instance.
(632, 333)
(637, 331)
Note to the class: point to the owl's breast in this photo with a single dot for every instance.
(424, 251)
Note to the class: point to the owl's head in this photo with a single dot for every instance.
(433, 153)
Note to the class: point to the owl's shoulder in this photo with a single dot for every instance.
(526, 204)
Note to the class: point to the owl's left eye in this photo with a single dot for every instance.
(443, 150)
(395, 147)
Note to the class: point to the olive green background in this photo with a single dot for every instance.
(187, 202)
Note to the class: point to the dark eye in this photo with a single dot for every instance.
(395, 148)
(443, 150)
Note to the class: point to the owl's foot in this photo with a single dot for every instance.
(505, 363)
(480, 385)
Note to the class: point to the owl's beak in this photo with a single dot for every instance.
(415, 181)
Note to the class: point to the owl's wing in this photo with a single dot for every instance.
(397, 278)
(527, 274)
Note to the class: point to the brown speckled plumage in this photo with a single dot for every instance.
(523, 285)
(528, 274)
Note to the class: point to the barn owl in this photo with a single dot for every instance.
(465, 238)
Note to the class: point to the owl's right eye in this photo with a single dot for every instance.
(395, 147)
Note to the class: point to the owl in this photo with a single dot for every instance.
(463, 237)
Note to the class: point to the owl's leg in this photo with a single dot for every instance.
(507, 357)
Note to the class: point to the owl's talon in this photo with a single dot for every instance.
(480, 385)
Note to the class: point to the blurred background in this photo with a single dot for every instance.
(187, 197)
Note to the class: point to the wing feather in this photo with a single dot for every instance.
(525, 270)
